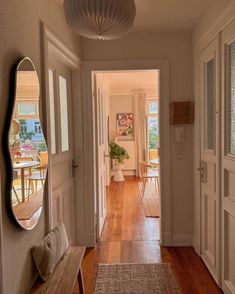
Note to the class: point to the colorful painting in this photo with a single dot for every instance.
(125, 124)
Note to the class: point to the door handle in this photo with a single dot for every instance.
(74, 166)
(106, 155)
(203, 171)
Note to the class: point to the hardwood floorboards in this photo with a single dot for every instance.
(129, 237)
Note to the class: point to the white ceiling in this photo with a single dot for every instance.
(127, 81)
(170, 15)
(133, 77)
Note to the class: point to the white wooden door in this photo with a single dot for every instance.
(61, 147)
(228, 159)
(210, 155)
(101, 135)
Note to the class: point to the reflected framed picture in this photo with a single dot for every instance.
(125, 124)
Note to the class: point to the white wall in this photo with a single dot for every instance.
(177, 48)
(20, 36)
(119, 104)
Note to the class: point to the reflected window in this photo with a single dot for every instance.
(27, 109)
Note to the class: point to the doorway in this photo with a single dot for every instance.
(126, 111)
(61, 69)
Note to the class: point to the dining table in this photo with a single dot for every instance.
(22, 166)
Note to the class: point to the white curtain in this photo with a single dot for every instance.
(140, 127)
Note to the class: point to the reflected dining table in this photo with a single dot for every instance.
(154, 161)
(22, 166)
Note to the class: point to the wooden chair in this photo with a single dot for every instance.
(148, 173)
(40, 176)
(15, 176)
(25, 159)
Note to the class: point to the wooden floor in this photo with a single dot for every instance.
(129, 237)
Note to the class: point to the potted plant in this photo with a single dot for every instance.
(118, 154)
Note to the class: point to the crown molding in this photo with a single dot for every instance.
(224, 19)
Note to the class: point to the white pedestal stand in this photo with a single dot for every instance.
(118, 173)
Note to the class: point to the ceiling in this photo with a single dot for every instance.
(127, 81)
(170, 15)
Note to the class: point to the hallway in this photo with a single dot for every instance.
(129, 237)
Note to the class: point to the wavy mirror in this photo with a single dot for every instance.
(27, 148)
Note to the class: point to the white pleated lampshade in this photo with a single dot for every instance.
(100, 19)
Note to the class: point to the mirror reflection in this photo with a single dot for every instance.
(28, 148)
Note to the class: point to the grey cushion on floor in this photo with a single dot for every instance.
(48, 251)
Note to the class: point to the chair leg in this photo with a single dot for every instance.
(16, 195)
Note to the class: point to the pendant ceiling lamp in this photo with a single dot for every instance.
(100, 19)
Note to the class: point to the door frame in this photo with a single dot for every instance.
(1, 244)
(212, 51)
(89, 140)
(53, 45)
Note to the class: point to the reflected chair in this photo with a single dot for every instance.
(25, 159)
(40, 172)
(15, 176)
(148, 172)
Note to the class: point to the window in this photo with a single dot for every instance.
(27, 109)
(152, 128)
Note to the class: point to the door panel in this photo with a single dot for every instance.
(101, 137)
(210, 171)
(228, 159)
(62, 150)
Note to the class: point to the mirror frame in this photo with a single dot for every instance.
(5, 143)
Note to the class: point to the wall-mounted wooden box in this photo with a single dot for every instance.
(181, 113)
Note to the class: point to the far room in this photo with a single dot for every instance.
(127, 120)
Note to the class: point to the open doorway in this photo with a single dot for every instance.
(128, 191)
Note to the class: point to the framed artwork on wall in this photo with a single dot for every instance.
(125, 124)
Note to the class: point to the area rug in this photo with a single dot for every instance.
(136, 279)
(151, 204)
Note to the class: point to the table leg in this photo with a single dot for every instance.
(31, 182)
(22, 185)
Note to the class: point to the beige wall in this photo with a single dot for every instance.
(20, 36)
(177, 48)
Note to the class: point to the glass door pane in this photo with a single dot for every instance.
(64, 114)
(230, 103)
(210, 109)
(52, 111)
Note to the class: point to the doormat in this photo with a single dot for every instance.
(136, 279)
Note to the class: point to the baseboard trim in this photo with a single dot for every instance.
(196, 246)
(126, 173)
(86, 240)
(182, 240)
(166, 239)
